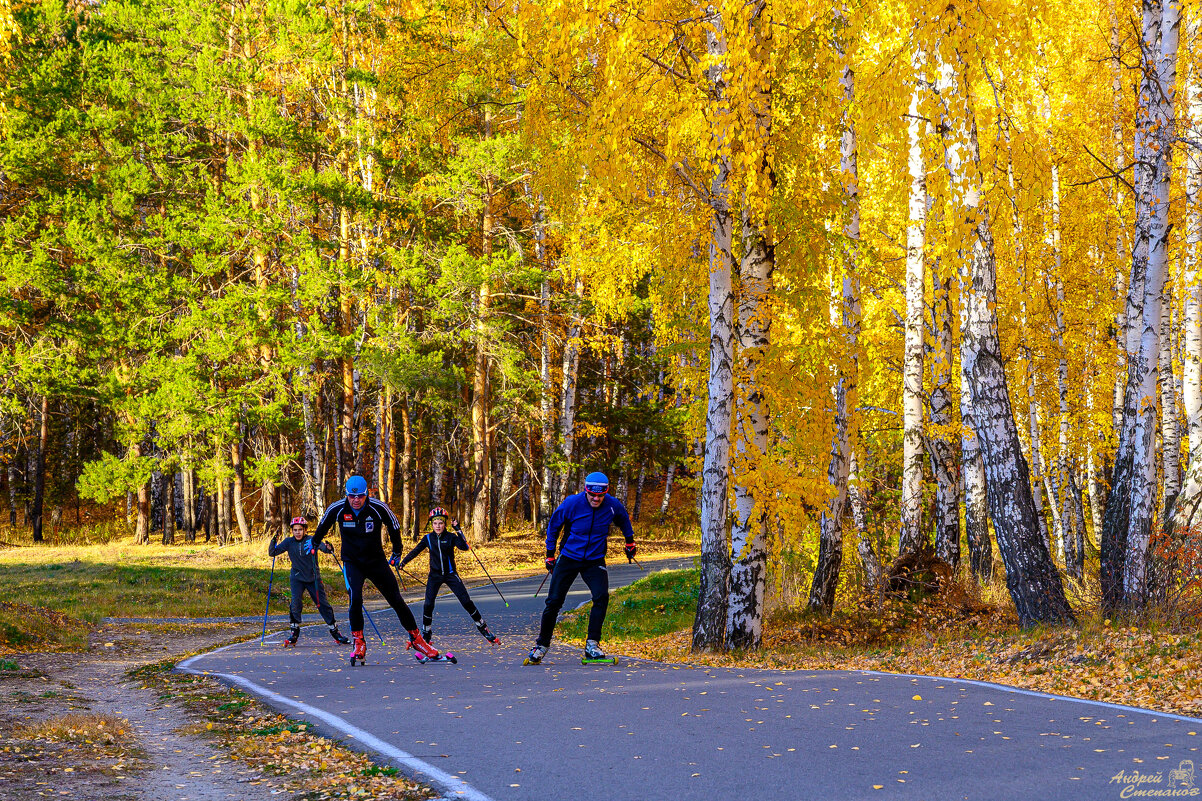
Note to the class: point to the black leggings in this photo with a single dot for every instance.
(377, 573)
(434, 584)
(566, 570)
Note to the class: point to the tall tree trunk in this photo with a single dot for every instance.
(1183, 512)
(638, 491)
(546, 400)
(481, 528)
(943, 460)
(663, 504)
(39, 473)
(408, 493)
(237, 451)
(567, 414)
(870, 561)
(976, 506)
(709, 625)
(749, 529)
(845, 316)
(1131, 505)
(1031, 576)
(142, 527)
(912, 536)
(169, 509)
(190, 516)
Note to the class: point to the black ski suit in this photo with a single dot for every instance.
(304, 577)
(363, 554)
(442, 571)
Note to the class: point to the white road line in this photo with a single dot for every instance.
(453, 786)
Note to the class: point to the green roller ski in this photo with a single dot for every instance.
(593, 655)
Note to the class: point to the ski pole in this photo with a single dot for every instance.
(490, 581)
(400, 570)
(268, 607)
(540, 586)
(366, 614)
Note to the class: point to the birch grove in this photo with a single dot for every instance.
(911, 279)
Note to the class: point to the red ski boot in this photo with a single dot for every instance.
(360, 651)
(425, 652)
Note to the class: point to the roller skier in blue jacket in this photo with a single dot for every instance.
(585, 518)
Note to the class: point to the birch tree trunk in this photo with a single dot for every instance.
(1184, 511)
(1117, 522)
(567, 411)
(845, 315)
(749, 529)
(976, 506)
(869, 560)
(943, 464)
(912, 536)
(709, 626)
(1031, 576)
(1134, 494)
(663, 504)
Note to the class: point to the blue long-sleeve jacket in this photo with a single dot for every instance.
(587, 528)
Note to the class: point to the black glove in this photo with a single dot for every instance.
(630, 551)
(395, 559)
(327, 547)
(550, 562)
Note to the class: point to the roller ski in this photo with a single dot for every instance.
(292, 638)
(425, 652)
(482, 627)
(338, 636)
(535, 656)
(360, 652)
(593, 655)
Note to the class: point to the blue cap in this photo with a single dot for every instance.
(596, 483)
(356, 485)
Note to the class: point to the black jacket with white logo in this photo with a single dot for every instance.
(361, 541)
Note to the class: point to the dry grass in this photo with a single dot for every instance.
(78, 728)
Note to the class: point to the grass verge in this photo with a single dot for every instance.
(119, 579)
(955, 635)
(307, 765)
(27, 628)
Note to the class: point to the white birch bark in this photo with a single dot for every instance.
(912, 537)
(845, 314)
(1152, 207)
(976, 507)
(709, 626)
(943, 461)
(856, 502)
(667, 499)
(567, 409)
(1190, 496)
(749, 528)
(1031, 576)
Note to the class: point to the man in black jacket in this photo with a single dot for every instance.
(360, 520)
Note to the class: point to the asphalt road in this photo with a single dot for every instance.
(489, 728)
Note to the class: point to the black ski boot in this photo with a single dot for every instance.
(486, 634)
(292, 638)
(427, 633)
(338, 636)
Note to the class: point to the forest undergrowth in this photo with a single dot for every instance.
(964, 632)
